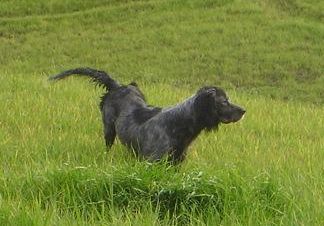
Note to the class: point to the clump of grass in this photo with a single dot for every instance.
(173, 196)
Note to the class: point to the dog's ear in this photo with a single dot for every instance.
(211, 92)
(205, 107)
(203, 101)
(206, 92)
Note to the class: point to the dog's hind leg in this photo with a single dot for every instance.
(108, 119)
(109, 132)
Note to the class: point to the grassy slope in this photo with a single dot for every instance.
(268, 55)
(260, 48)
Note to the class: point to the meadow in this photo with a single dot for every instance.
(264, 170)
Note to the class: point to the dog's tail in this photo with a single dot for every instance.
(100, 78)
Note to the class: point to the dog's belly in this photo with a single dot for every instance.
(154, 142)
(128, 137)
(148, 140)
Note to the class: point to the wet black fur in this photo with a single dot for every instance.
(154, 132)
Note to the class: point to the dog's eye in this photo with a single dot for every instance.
(225, 102)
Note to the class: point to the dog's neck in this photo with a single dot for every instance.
(183, 126)
(185, 122)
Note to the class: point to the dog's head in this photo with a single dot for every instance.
(213, 107)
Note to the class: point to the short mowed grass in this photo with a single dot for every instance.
(264, 170)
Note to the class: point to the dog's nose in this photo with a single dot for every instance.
(243, 111)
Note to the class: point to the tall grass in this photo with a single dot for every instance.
(264, 170)
(172, 197)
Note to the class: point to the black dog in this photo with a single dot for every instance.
(154, 132)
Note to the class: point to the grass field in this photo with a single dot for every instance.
(265, 170)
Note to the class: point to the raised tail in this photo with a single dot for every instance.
(100, 78)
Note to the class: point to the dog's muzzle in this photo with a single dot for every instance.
(235, 115)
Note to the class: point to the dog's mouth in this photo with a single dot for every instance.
(234, 118)
(227, 121)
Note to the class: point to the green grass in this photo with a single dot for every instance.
(265, 170)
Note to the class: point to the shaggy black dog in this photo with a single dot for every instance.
(154, 132)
